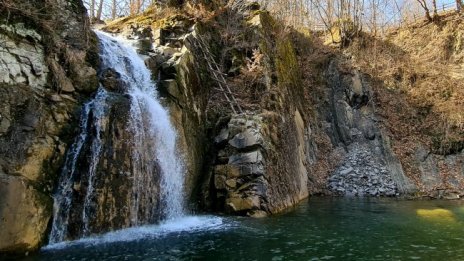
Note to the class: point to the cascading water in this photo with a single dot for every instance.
(92, 111)
(149, 121)
(153, 152)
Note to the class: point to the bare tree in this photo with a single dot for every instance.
(113, 10)
(346, 16)
(423, 3)
(459, 6)
(435, 10)
(92, 9)
(99, 11)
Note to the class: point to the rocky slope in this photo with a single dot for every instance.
(417, 89)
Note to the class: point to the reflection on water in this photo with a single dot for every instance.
(321, 229)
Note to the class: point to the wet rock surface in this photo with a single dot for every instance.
(44, 75)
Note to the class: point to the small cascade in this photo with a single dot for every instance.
(151, 183)
(92, 111)
(95, 153)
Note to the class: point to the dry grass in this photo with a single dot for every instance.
(420, 65)
(160, 16)
(418, 88)
(418, 85)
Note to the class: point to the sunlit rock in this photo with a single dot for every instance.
(437, 215)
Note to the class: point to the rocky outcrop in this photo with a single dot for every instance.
(261, 158)
(239, 181)
(257, 164)
(441, 176)
(245, 178)
(369, 166)
(43, 74)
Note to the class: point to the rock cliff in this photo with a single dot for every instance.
(45, 70)
(265, 115)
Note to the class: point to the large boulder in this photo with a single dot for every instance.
(25, 213)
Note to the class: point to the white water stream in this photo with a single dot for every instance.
(154, 139)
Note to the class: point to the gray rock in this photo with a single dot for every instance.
(252, 169)
(246, 139)
(242, 158)
(346, 171)
(223, 136)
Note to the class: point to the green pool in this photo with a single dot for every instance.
(318, 229)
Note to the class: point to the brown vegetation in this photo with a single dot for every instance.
(417, 78)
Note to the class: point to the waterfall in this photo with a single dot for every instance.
(63, 198)
(152, 142)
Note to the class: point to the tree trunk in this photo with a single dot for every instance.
(113, 10)
(92, 10)
(423, 3)
(436, 18)
(100, 9)
(459, 6)
(132, 7)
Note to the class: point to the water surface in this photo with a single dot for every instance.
(319, 229)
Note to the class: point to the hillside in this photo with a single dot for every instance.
(417, 76)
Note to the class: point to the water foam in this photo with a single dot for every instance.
(185, 224)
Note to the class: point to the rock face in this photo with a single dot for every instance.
(239, 182)
(261, 158)
(369, 167)
(25, 214)
(43, 73)
(23, 62)
(178, 71)
(441, 176)
(246, 180)
(257, 164)
(106, 165)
